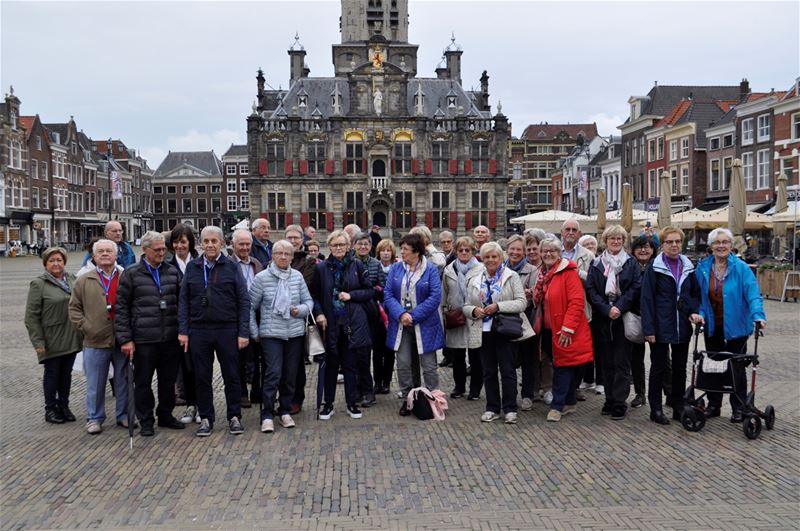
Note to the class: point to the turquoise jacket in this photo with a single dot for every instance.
(742, 303)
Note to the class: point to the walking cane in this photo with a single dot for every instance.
(131, 402)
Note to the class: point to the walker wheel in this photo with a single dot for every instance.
(692, 419)
(752, 426)
(769, 417)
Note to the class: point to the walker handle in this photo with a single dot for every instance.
(698, 329)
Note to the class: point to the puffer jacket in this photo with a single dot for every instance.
(47, 318)
(262, 296)
(629, 284)
(564, 303)
(666, 307)
(139, 317)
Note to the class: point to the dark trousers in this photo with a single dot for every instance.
(247, 361)
(498, 353)
(148, 359)
(382, 359)
(459, 357)
(565, 380)
(282, 359)
(616, 364)
(202, 344)
(300, 377)
(365, 385)
(530, 365)
(345, 357)
(187, 373)
(57, 381)
(637, 368)
(659, 357)
(737, 345)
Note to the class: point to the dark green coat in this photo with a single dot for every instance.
(47, 318)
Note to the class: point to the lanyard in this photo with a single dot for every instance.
(206, 269)
(155, 274)
(409, 275)
(106, 285)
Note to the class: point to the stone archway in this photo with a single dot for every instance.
(378, 168)
(380, 214)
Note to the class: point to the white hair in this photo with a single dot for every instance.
(212, 229)
(104, 240)
(242, 234)
(489, 247)
(716, 232)
(280, 244)
(258, 222)
(150, 237)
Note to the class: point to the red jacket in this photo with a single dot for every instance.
(564, 303)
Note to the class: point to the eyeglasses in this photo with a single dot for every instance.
(570, 229)
(162, 250)
(722, 242)
(550, 251)
(672, 242)
(338, 245)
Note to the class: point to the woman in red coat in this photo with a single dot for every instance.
(564, 329)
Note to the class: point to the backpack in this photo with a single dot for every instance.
(426, 404)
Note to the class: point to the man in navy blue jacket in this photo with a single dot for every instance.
(214, 315)
(262, 247)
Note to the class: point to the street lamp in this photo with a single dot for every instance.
(109, 146)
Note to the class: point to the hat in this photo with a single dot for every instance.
(376, 226)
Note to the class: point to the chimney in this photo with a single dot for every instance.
(485, 91)
(297, 61)
(441, 70)
(744, 89)
(453, 59)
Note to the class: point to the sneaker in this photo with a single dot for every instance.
(205, 428)
(638, 401)
(188, 415)
(585, 385)
(580, 396)
(93, 427)
(553, 415)
(354, 412)
(473, 398)
(510, 417)
(54, 416)
(287, 421)
(340, 379)
(235, 426)
(548, 397)
(568, 409)
(327, 412)
(455, 395)
(267, 426)
(489, 416)
(527, 404)
(599, 390)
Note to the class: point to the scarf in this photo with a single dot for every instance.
(337, 267)
(282, 303)
(490, 288)
(612, 265)
(516, 268)
(675, 266)
(545, 276)
(462, 268)
(63, 283)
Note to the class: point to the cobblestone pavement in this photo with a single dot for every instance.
(384, 471)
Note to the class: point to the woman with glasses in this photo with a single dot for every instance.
(527, 351)
(670, 303)
(644, 250)
(730, 305)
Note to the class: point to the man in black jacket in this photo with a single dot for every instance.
(146, 327)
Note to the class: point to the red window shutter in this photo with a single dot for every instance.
(329, 219)
(288, 168)
(263, 215)
(364, 166)
(468, 167)
(289, 218)
(303, 167)
(262, 167)
(429, 219)
(453, 167)
(415, 166)
(428, 166)
(493, 167)
(304, 219)
(492, 219)
(394, 167)
(413, 219)
(468, 220)
(394, 219)
(453, 220)
(328, 167)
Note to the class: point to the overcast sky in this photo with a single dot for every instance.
(180, 75)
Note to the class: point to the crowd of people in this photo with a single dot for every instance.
(536, 317)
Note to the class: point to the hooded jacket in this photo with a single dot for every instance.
(565, 302)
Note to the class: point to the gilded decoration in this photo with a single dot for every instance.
(354, 135)
(402, 135)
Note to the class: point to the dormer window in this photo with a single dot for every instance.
(451, 102)
(302, 101)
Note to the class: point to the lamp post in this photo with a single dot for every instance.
(109, 146)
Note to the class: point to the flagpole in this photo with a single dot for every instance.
(109, 146)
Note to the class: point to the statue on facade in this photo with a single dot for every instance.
(377, 100)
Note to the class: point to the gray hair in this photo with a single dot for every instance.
(614, 230)
(280, 244)
(212, 229)
(242, 234)
(258, 222)
(340, 233)
(716, 232)
(577, 223)
(489, 247)
(423, 231)
(587, 238)
(150, 237)
(536, 231)
(104, 240)
(446, 233)
(293, 228)
(551, 241)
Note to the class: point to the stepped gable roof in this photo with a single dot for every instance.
(205, 161)
(547, 131)
(236, 151)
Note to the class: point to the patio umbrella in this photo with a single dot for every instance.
(665, 200)
(627, 208)
(737, 214)
(601, 211)
(781, 204)
(131, 402)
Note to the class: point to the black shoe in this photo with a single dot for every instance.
(246, 403)
(205, 428)
(369, 400)
(668, 402)
(235, 426)
(711, 412)
(124, 424)
(54, 416)
(580, 396)
(445, 363)
(382, 390)
(327, 412)
(148, 431)
(619, 413)
(169, 422)
(659, 418)
(736, 416)
(457, 394)
(607, 408)
(67, 414)
(307, 360)
(472, 397)
(638, 401)
(404, 411)
(354, 412)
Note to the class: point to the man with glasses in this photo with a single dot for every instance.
(446, 246)
(146, 327)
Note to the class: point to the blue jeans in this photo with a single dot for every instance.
(95, 365)
(565, 380)
(282, 359)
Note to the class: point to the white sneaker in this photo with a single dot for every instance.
(511, 418)
(527, 404)
(489, 416)
(554, 415)
(585, 385)
(548, 397)
(189, 415)
(93, 427)
(600, 390)
(340, 378)
(287, 421)
(267, 426)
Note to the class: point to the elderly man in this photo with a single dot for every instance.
(446, 240)
(214, 315)
(262, 247)
(147, 330)
(91, 310)
(125, 255)
(352, 231)
(310, 233)
(249, 267)
(481, 234)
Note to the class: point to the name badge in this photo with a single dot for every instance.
(108, 308)
(162, 304)
(407, 304)
(204, 302)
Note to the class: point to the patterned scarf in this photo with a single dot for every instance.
(337, 267)
(490, 288)
(516, 268)
(282, 303)
(63, 282)
(462, 268)
(545, 276)
(612, 265)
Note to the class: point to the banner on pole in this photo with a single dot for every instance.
(116, 186)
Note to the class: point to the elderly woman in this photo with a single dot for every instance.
(53, 337)
(518, 262)
(432, 254)
(643, 249)
(340, 288)
(281, 295)
(454, 293)
(730, 304)
(587, 241)
(612, 287)
(565, 334)
(493, 289)
(537, 373)
(670, 302)
(412, 297)
(383, 356)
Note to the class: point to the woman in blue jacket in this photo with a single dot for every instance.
(412, 297)
(730, 304)
(670, 302)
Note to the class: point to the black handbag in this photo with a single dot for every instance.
(507, 325)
